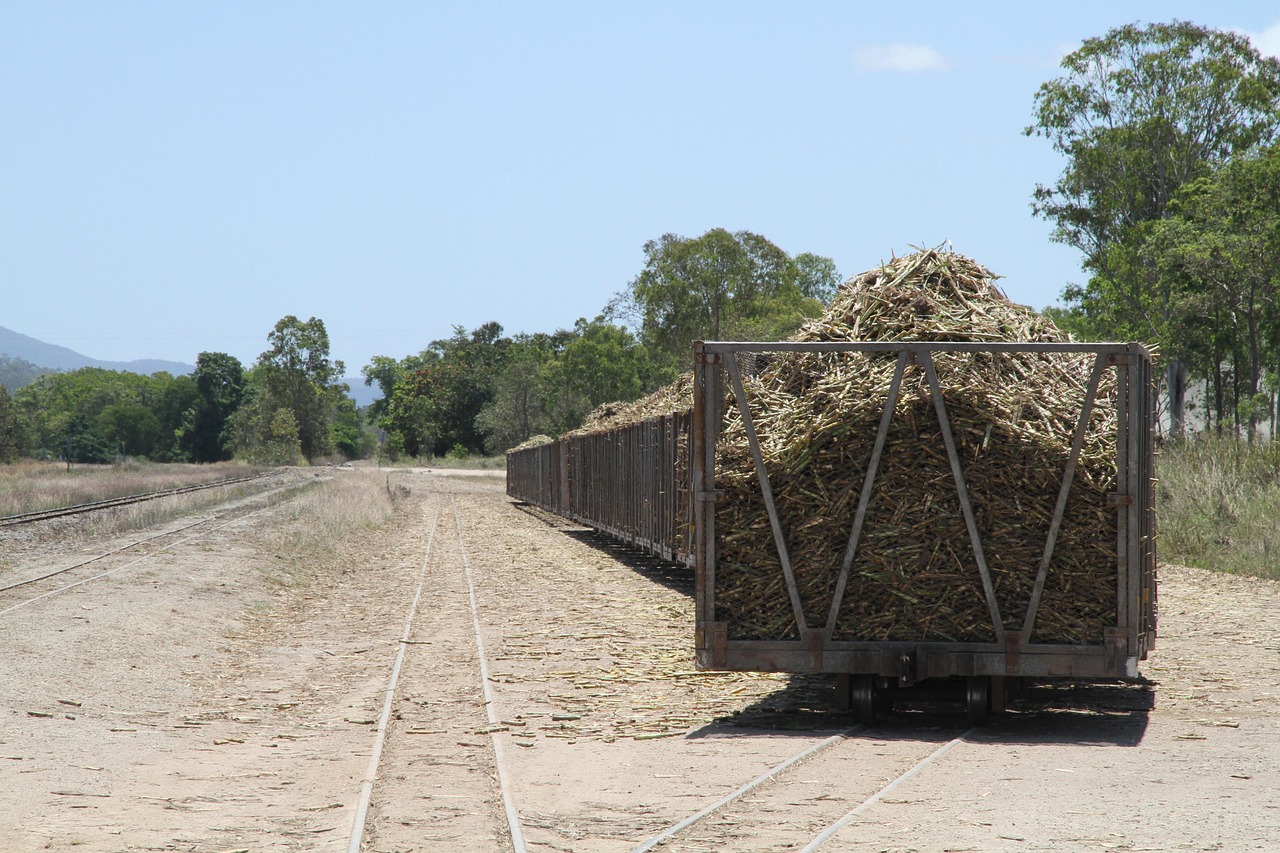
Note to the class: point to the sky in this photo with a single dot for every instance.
(177, 177)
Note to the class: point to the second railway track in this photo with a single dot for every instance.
(25, 583)
(123, 500)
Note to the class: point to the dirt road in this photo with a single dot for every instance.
(208, 699)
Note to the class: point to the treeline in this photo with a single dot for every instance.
(478, 391)
(483, 392)
(289, 406)
(1172, 192)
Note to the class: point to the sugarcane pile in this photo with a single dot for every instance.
(915, 576)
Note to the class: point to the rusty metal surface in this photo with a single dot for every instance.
(632, 482)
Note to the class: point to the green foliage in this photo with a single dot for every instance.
(16, 372)
(10, 432)
(96, 415)
(206, 434)
(720, 286)
(1074, 320)
(1141, 113)
(439, 394)
(1219, 252)
(266, 435)
(296, 376)
(552, 382)
(350, 438)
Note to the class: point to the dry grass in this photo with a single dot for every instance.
(330, 520)
(1219, 501)
(30, 486)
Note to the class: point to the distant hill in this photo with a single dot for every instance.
(56, 357)
(37, 353)
(361, 393)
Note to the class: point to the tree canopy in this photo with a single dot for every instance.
(295, 378)
(720, 286)
(1140, 113)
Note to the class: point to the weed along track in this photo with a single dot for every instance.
(127, 500)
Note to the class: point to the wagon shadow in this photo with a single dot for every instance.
(1050, 712)
(1082, 714)
(674, 576)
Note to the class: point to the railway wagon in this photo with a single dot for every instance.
(1055, 580)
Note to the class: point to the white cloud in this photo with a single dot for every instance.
(1268, 41)
(899, 57)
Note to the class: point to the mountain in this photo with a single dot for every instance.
(53, 356)
(361, 393)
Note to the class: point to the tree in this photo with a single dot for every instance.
(267, 435)
(1219, 249)
(94, 415)
(128, 429)
(16, 372)
(1141, 112)
(434, 405)
(10, 431)
(719, 286)
(349, 436)
(550, 383)
(297, 375)
(206, 434)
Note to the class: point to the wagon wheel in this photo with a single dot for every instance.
(862, 695)
(978, 699)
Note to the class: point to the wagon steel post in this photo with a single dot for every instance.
(1123, 427)
(766, 490)
(944, 424)
(702, 458)
(864, 498)
(1064, 491)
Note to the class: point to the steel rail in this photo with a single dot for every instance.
(504, 780)
(100, 575)
(831, 829)
(125, 500)
(808, 752)
(384, 720)
(103, 555)
(826, 834)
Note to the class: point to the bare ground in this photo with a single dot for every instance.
(211, 699)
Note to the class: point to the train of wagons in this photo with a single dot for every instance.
(654, 483)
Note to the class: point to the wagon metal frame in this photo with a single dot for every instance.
(1012, 654)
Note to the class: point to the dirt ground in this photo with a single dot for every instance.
(205, 700)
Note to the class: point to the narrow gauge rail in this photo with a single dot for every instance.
(653, 484)
(76, 509)
(210, 525)
(772, 784)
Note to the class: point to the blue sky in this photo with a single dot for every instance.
(175, 177)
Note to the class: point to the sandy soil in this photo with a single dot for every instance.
(209, 699)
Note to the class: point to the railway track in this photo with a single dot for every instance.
(812, 794)
(93, 506)
(18, 592)
(446, 535)
(811, 797)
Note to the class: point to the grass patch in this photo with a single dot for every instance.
(1218, 502)
(30, 486)
(318, 527)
